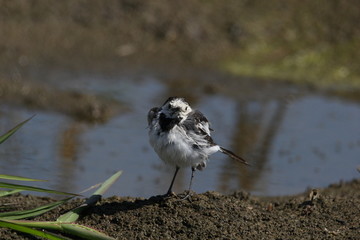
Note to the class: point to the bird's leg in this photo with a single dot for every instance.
(191, 179)
(170, 192)
(188, 195)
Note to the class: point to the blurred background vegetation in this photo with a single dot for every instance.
(311, 42)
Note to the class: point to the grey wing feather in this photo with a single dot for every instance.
(198, 123)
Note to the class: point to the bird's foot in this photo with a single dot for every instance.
(186, 196)
(169, 194)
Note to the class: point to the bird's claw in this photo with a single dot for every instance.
(169, 194)
(187, 196)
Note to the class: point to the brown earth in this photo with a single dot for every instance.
(331, 213)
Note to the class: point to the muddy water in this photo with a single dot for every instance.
(293, 142)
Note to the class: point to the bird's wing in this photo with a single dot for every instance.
(202, 123)
(197, 122)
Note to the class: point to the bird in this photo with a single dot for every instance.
(181, 137)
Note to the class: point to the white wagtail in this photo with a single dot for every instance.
(181, 137)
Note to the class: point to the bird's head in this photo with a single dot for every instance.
(176, 107)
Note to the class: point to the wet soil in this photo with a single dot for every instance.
(330, 213)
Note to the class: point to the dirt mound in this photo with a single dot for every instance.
(324, 214)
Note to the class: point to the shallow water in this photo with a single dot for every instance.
(310, 140)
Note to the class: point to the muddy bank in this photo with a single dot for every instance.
(330, 213)
(78, 105)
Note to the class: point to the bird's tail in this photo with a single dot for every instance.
(233, 156)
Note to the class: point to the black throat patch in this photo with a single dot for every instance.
(167, 124)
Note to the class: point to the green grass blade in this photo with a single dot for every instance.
(74, 214)
(69, 228)
(12, 131)
(110, 181)
(14, 215)
(5, 193)
(48, 225)
(12, 177)
(35, 189)
(31, 231)
(84, 232)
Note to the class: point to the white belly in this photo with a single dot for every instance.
(175, 147)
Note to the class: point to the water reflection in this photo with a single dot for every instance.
(311, 140)
(256, 126)
(69, 151)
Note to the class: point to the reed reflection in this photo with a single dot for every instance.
(69, 148)
(255, 130)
